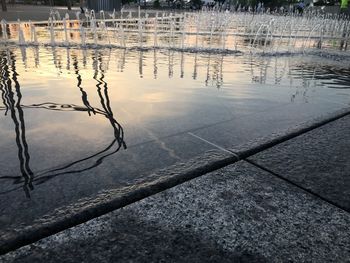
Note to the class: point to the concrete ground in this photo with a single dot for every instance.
(289, 203)
(34, 13)
(41, 13)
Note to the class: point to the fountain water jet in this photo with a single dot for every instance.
(33, 36)
(52, 32)
(66, 41)
(211, 30)
(21, 39)
(4, 29)
(93, 27)
(155, 25)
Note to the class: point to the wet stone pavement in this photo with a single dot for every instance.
(285, 204)
(92, 135)
(317, 161)
(240, 213)
(186, 156)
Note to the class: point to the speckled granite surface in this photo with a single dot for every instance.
(236, 214)
(317, 160)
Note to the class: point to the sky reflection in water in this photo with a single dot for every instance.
(75, 108)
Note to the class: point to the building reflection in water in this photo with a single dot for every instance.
(12, 97)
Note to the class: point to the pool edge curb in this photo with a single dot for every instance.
(104, 202)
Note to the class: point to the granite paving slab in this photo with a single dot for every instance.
(23, 202)
(50, 216)
(236, 214)
(317, 160)
(72, 126)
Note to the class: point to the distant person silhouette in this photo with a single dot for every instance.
(344, 7)
(300, 7)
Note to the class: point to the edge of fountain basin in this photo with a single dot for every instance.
(264, 143)
(106, 201)
(88, 208)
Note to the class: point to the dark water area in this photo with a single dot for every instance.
(74, 122)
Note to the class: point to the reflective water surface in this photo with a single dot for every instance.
(76, 121)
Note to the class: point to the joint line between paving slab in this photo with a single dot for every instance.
(291, 136)
(295, 184)
(213, 144)
(336, 102)
(19, 241)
